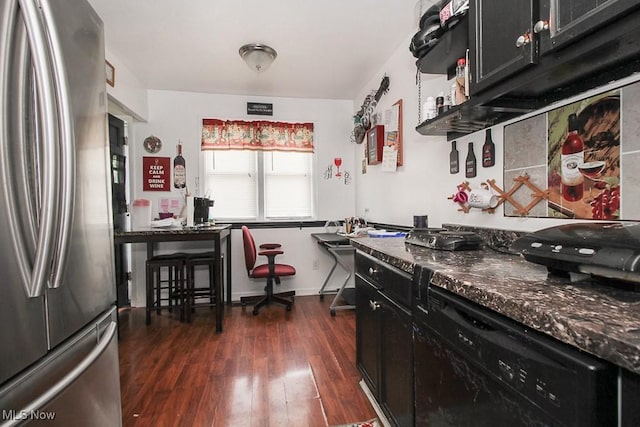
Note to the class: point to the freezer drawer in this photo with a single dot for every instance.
(77, 384)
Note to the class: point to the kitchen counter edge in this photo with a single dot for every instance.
(601, 320)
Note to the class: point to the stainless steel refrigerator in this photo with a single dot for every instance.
(58, 326)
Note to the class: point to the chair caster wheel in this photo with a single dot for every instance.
(332, 312)
(321, 297)
(288, 308)
(255, 312)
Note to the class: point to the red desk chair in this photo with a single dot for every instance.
(270, 271)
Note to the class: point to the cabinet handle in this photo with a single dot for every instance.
(523, 40)
(374, 305)
(372, 270)
(541, 26)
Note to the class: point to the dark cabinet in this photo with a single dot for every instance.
(507, 38)
(527, 54)
(384, 337)
(396, 388)
(500, 35)
(562, 22)
(629, 392)
(368, 335)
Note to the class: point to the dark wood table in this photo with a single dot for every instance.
(215, 233)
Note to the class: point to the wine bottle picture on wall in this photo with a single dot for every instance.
(454, 165)
(179, 170)
(488, 151)
(470, 163)
(571, 159)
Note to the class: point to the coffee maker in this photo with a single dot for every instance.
(201, 207)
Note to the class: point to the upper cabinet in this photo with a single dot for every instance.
(525, 54)
(562, 22)
(500, 41)
(507, 38)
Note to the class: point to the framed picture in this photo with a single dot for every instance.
(110, 73)
(375, 142)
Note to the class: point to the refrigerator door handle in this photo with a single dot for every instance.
(26, 145)
(7, 24)
(66, 193)
(48, 117)
(69, 378)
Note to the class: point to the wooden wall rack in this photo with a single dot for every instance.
(523, 180)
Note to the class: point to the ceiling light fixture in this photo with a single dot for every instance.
(258, 56)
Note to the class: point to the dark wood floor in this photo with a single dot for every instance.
(273, 369)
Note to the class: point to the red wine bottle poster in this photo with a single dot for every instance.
(584, 159)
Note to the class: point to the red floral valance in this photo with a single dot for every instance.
(256, 135)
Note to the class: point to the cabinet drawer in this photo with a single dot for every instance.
(391, 281)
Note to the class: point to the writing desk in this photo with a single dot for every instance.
(215, 233)
(336, 245)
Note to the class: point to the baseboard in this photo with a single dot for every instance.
(374, 403)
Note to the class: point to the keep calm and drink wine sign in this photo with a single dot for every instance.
(156, 172)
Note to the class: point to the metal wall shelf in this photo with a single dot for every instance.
(452, 45)
(468, 118)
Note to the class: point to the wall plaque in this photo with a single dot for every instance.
(260, 108)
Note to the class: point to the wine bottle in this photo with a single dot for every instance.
(470, 163)
(461, 71)
(454, 166)
(488, 151)
(179, 170)
(570, 160)
(440, 103)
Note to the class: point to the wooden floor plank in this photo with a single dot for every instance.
(275, 369)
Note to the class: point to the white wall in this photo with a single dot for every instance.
(127, 93)
(177, 116)
(423, 184)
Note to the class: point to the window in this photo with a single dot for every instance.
(248, 184)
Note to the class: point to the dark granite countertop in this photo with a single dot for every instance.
(601, 320)
(150, 234)
(149, 231)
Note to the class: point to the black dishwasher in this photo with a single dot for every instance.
(474, 367)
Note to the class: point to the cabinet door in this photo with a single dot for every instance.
(396, 392)
(629, 392)
(368, 334)
(494, 51)
(562, 22)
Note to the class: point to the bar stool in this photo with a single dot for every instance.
(196, 294)
(169, 292)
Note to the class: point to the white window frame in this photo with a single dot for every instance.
(261, 159)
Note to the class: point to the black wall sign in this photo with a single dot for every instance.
(260, 108)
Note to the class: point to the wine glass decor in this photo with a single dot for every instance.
(338, 162)
(592, 171)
